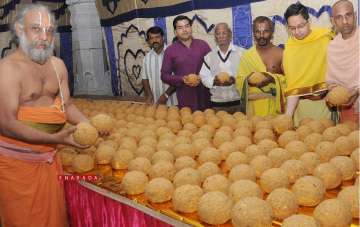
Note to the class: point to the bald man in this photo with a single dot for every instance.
(34, 106)
(223, 59)
(343, 57)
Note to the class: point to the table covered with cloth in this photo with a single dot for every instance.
(91, 206)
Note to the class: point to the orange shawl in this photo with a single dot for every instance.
(42, 118)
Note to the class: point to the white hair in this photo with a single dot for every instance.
(223, 24)
(21, 13)
(37, 55)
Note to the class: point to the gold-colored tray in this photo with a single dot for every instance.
(112, 178)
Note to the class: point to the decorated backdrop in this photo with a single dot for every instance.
(125, 22)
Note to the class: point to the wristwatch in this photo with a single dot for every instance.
(166, 95)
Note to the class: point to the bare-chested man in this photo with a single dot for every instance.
(34, 105)
(265, 98)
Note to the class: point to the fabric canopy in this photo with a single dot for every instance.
(113, 12)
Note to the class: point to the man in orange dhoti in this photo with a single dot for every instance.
(34, 105)
(343, 57)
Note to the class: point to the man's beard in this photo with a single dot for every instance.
(37, 55)
(155, 45)
(263, 42)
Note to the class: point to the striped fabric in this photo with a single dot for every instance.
(151, 71)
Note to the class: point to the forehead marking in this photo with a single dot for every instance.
(49, 19)
(40, 19)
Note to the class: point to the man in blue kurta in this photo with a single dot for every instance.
(182, 58)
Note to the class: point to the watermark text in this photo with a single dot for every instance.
(79, 177)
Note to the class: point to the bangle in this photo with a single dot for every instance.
(166, 95)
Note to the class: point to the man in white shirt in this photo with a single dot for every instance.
(224, 58)
(154, 89)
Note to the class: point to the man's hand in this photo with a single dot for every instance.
(149, 100)
(353, 98)
(162, 100)
(192, 81)
(65, 137)
(354, 94)
(269, 79)
(229, 82)
(217, 82)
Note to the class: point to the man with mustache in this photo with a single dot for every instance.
(343, 57)
(183, 58)
(265, 98)
(154, 88)
(34, 106)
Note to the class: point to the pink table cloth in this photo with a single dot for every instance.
(88, 208)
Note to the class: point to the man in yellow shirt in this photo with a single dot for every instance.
(304, 64)
(265, 98)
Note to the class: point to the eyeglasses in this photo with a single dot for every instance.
(50, 31)
(299, 27)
